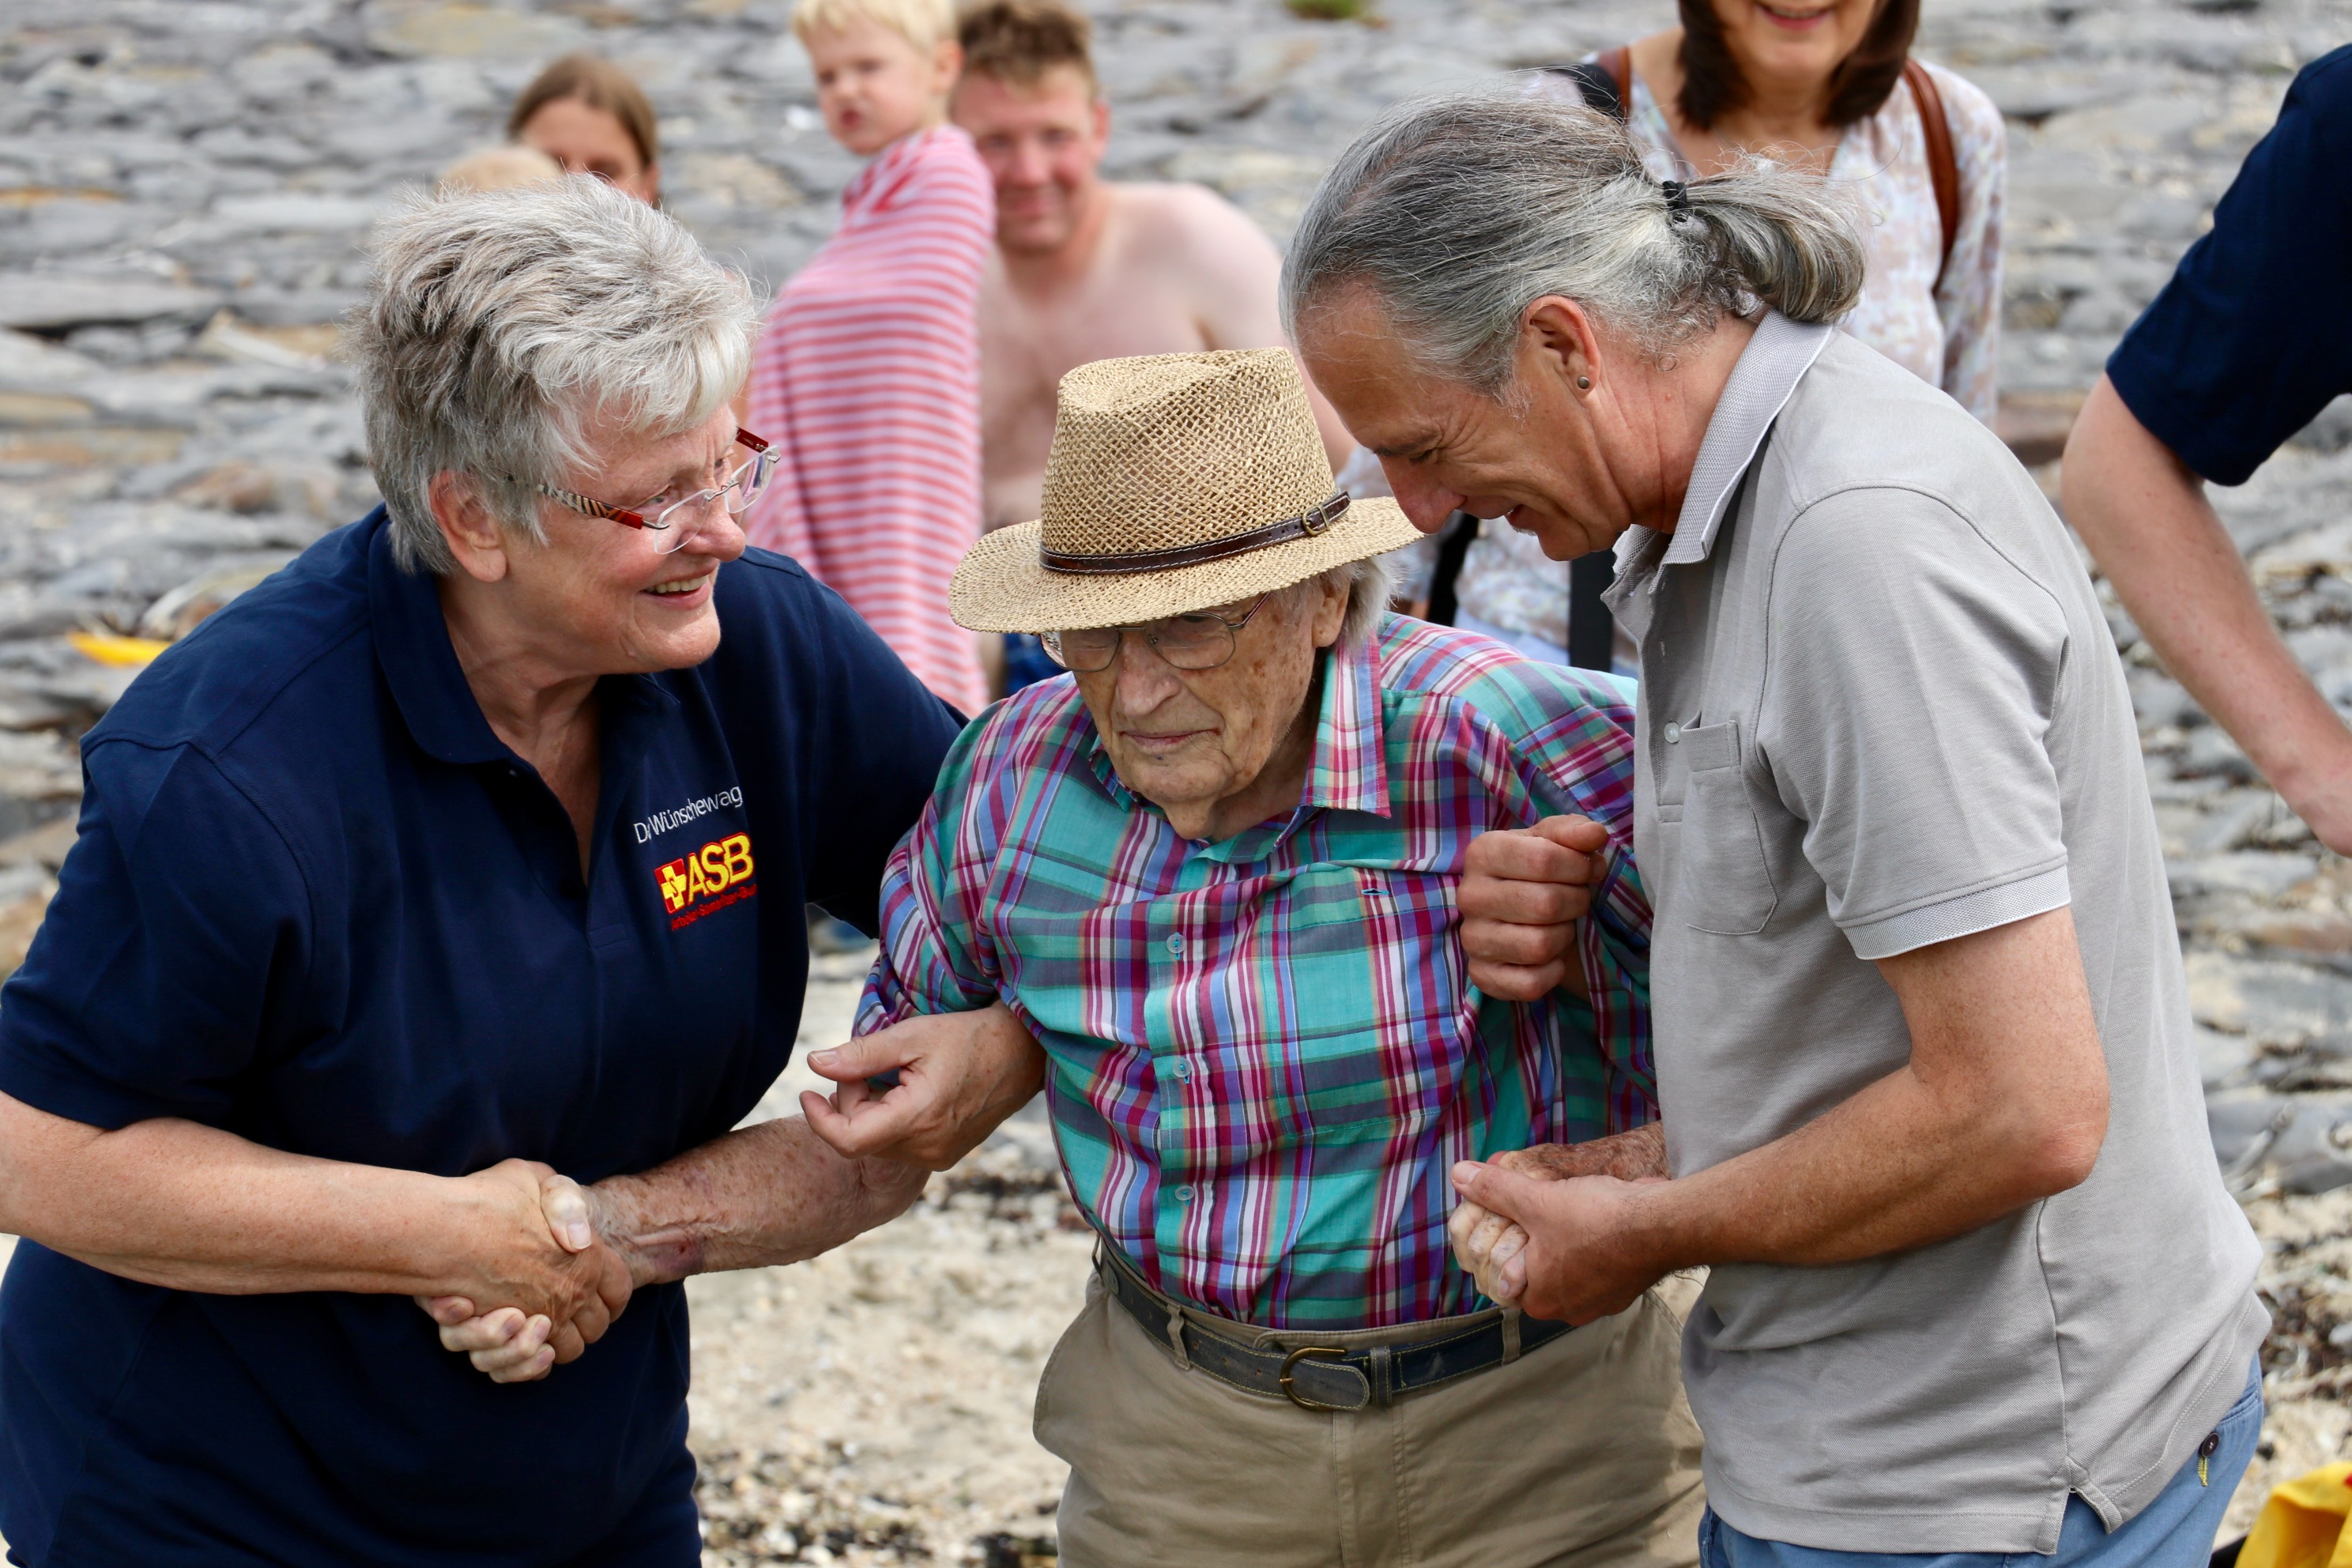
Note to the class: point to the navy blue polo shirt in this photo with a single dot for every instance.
(316, 902)
(2253, 336)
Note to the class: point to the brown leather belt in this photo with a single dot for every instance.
(1328, 1377)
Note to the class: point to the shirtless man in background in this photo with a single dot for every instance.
(1086, 268)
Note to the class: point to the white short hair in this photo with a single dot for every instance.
(1371, 584)
(499, 324)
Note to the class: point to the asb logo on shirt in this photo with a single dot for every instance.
(713, 877)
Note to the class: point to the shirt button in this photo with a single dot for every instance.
(1183, 1069)
(1184, 1195)
(1673, 733)
(1176, 945)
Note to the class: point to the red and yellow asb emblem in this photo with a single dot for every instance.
(713, 877)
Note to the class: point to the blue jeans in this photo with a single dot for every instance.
(2175, 1530)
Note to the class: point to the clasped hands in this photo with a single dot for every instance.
(958, 1075)
(1549, 1228)
(1554, 1229)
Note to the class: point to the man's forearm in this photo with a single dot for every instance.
(2146, 517)
(1638, 1156)
(2003, 1102)
(765, 1194)
(1889, 1169)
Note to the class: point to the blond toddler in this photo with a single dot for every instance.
(866, 375)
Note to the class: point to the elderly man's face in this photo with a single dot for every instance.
(605, 597)
(1219, 749)
(1537, 460)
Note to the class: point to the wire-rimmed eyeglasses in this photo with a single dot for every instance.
(1199, 641)
(674, 518)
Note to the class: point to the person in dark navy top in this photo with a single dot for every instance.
(464, 850)
(2250, 340)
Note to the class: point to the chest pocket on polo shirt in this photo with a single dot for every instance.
(1726, 884)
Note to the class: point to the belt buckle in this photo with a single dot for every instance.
(1292, 1360)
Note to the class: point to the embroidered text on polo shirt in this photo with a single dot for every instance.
(713, 877)
(661, 822)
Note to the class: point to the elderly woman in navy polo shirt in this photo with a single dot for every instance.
(464, 844)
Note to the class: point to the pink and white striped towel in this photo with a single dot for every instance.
(866, 378)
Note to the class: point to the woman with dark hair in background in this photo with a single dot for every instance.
(1829, 85)
(588, 115)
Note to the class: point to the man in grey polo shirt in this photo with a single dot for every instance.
(1923, 1043)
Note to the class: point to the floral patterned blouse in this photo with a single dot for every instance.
(1949, 334)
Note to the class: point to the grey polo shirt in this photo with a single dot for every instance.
(1880, 708)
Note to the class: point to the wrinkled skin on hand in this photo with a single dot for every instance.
(535, 1331)
(959, 1076)
(1483, 1242)
(773, 1192)
(1588, 1252)
(1523, 890)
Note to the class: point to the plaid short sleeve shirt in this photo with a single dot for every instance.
(1266, 1052)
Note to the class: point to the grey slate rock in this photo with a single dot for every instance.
(49, 302)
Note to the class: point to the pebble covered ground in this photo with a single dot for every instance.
(183, 188)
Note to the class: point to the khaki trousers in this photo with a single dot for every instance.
(1580, 1454)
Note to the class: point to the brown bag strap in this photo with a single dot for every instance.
(1943, 167)
(1618, 63)
(1604, 82)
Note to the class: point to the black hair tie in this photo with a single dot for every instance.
(1677, 197)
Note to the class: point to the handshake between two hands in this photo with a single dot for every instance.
(564, 1285)
(563, 1259)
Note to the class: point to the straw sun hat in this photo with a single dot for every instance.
(1176, 482)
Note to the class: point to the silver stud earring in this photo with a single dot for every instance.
(1583, 383)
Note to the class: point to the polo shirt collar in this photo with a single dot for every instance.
(413, 647)
(1775, 360)
(420, 663)
(1348, 770)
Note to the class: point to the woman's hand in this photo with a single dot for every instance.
(558, 1290)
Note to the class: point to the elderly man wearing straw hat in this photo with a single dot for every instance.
(1213, 871)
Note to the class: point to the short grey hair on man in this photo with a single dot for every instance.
(499, 325)
(1371, 584)
(1456, 212)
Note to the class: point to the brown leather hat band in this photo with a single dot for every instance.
(1307, 525)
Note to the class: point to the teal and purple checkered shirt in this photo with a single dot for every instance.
(1266, 1052)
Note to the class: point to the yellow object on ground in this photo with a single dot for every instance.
(108, 648)
(2302, 1523)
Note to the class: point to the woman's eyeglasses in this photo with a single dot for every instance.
(675, 518)
(1201, 641)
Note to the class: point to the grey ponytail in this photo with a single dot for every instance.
(1784, 237)
(1456, 211)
